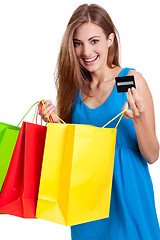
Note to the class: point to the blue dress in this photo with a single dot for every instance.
(132, 210)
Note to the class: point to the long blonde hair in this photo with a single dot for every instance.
(70, 75)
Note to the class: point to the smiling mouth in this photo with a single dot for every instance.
(90, 60)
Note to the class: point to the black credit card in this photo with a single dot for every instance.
(123, 83)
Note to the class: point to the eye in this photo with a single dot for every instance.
(76, 44)
(94, 41)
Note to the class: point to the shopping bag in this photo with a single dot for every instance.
(20, 189)
(8, 138)
(76, 176)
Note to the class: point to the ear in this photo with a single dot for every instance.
(110, 40)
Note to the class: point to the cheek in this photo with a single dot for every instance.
(77, 52)
(104, 53)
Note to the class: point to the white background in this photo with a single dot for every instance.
(30, 36)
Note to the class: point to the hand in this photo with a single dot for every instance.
(50, 107)
(135, 103)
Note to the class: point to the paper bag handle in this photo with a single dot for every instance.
(53, 113)
(29, 111)
(121, 113)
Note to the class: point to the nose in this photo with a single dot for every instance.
(87, 50)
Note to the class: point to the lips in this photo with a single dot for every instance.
(90, 60)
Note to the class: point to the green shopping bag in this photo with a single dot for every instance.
(8, 138)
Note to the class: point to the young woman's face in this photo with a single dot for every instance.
(91, 46)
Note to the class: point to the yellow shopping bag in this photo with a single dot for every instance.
(76, 176)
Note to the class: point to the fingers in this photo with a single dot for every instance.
(128, 113)
(49, 108)
(132, 103)
(126, 105)
(135, 103)
(138, 101)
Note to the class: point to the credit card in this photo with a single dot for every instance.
(123, 83)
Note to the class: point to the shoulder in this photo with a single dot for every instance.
(140, 82)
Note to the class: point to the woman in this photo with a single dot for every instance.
(87, 66)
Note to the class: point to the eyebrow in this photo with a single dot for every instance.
(76, 39)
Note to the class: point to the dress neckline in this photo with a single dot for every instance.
(105, 100)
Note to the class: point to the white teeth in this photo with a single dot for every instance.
(91, 59)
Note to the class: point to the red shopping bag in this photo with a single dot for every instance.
(20, 189)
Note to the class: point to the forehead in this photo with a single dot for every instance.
(87, 30)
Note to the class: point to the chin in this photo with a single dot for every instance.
(92, 70)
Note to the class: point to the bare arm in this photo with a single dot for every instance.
(142, 113)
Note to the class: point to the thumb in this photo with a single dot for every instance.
(126, 105)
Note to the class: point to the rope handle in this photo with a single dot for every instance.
(121, 113)
(38, 111)
(53, 113)
(29, 111)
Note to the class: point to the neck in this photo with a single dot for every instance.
(104, 75)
